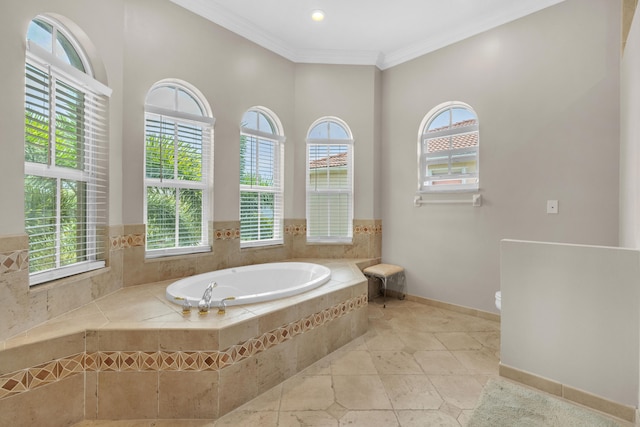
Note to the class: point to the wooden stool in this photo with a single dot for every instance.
(383, 272)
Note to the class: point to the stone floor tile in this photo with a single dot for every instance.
(307, 393)
(487, 339)
(307, 418)
(360, 392)
(384, 340)
(458, 341)
(267, 401)
(439, 362)
(354, 363)
(411, 392)
(462, 391)
(426, 418)
(418, 340)
(370, 419)
(247, 418)
(478, 362)
(395, 362)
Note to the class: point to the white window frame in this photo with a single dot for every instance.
(346, 190)
(205, 185)
(95, 139)
(277, 139)
(424, 159)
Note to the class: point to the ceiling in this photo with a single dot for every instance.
(364, 32)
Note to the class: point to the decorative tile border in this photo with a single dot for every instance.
(126, 241)
(11, 262)
(296, 229)
(226, 234)
(367, 229)
(132, 240)
(122, 361)
(301, 229)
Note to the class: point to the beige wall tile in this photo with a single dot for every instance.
(276, 364)
(596, 402)
(271, 321)
(91, 395)
(127, 395)
(14, 243)
(238, 384)
(238, 333)
(188, 395)
(338, 332)
(188, 340)
(535, 381)
(28, 355)
(60, 403)
(128, 340)
(312, 346)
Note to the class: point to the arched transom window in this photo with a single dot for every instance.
(261, 194)
(448, 149)
(329, 181)
(66, 155)
(178, 147)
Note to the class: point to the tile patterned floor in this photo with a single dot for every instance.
(416, 366)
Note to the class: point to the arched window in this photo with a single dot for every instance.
(66, 155)
(178, 146)
(261, 195)
(329, 181)
(448, 149)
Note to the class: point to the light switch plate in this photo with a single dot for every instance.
(552, 206)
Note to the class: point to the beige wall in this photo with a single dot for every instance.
(104, 35)
(546, 90)
(162, 41)
(630, 138)
(553, 321)
(349, 93)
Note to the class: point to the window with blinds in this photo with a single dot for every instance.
(178, 139)
(66, 156)
(261, 194)
(329, 182)
(448, 147)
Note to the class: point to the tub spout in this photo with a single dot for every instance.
(222, 307)
(205, 301)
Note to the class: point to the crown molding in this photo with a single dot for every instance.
(225, 18)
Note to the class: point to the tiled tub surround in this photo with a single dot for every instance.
(226, 251)
(133, 354)
(24, 307)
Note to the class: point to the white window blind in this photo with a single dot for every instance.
(66, 162)
(177, 152)
(329, 182)
(261, 195)
(449, 149)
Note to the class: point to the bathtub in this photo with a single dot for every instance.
(250, 284)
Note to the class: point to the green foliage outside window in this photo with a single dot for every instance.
(257, 208)
(174, 154)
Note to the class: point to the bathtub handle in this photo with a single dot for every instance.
(222, 308)
(186, 305)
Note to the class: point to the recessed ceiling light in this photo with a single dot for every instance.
(317, 15)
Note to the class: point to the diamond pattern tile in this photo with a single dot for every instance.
(121, 361)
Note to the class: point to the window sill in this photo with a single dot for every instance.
(330, 242)
(162, 253)
(262, 244)
(64, 272)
